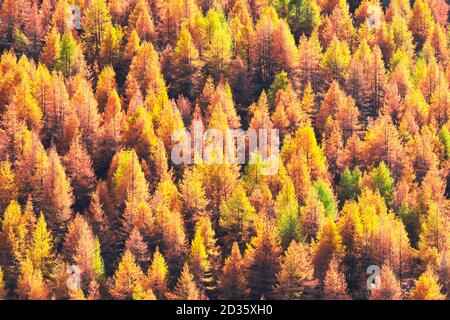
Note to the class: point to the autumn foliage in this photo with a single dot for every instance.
(87, 182)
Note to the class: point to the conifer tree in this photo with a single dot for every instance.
(310, 55)
(126, 278)
(390, 287)
(427, 287)
(158, 275)
(286, 207)
(329, 245)
(237, 218)
(262, 263)
(136, 245)
(335, 61)
(31, 284)
(335, 286)
(78, 165)
(8, 188)
(41, 250)
(56, 198)
(185, 289)
(95, 21)
(296, 274)
(312, 215)
(232, 282)
(187, 66)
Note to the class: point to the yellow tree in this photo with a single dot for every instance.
(310, 55)
(158, 275)
(41, 251)
(127, 276)
(218, 52)
(185, 289)
(296, 274)
(8, 188)
(237, 218)
(56, 198)
(96, 18)
(335, 61)
(329, 245)
(51, 51)
(31, 284)
(427, 287)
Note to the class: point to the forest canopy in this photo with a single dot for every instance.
(93, 207)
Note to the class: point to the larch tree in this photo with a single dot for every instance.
(217, 55)
(329, 244)
(193, 196)
(78, 165)
(185, 289)
(237, 218)
(335, 286)
(186, 77)
(158, 275)
(390, 287)
(285, 54)
(41, 251)
(141, 20)
(304, 143)
(145, 70)
(71, 60)
(31, 284)
(262, 48)
(262, 262)
(172, 234)
(421, 21)
(338, 24)
(106, 83)
(56, 198)
(126, 177)
(296, 275)
(312, 215)
(14, 235)
(86, 110)
(242, 30)
(286, 208)
(199, 263)
(335, 61)
(95, 20)
(433, 237)
(232, 282)
(310, 55)
(136, 245)
(110, 48)
(8, 187)
(60, 16)
(427, 287)
(126, 278)
(137, 215)
(34, 29)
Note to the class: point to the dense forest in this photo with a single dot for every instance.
(92, 206)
